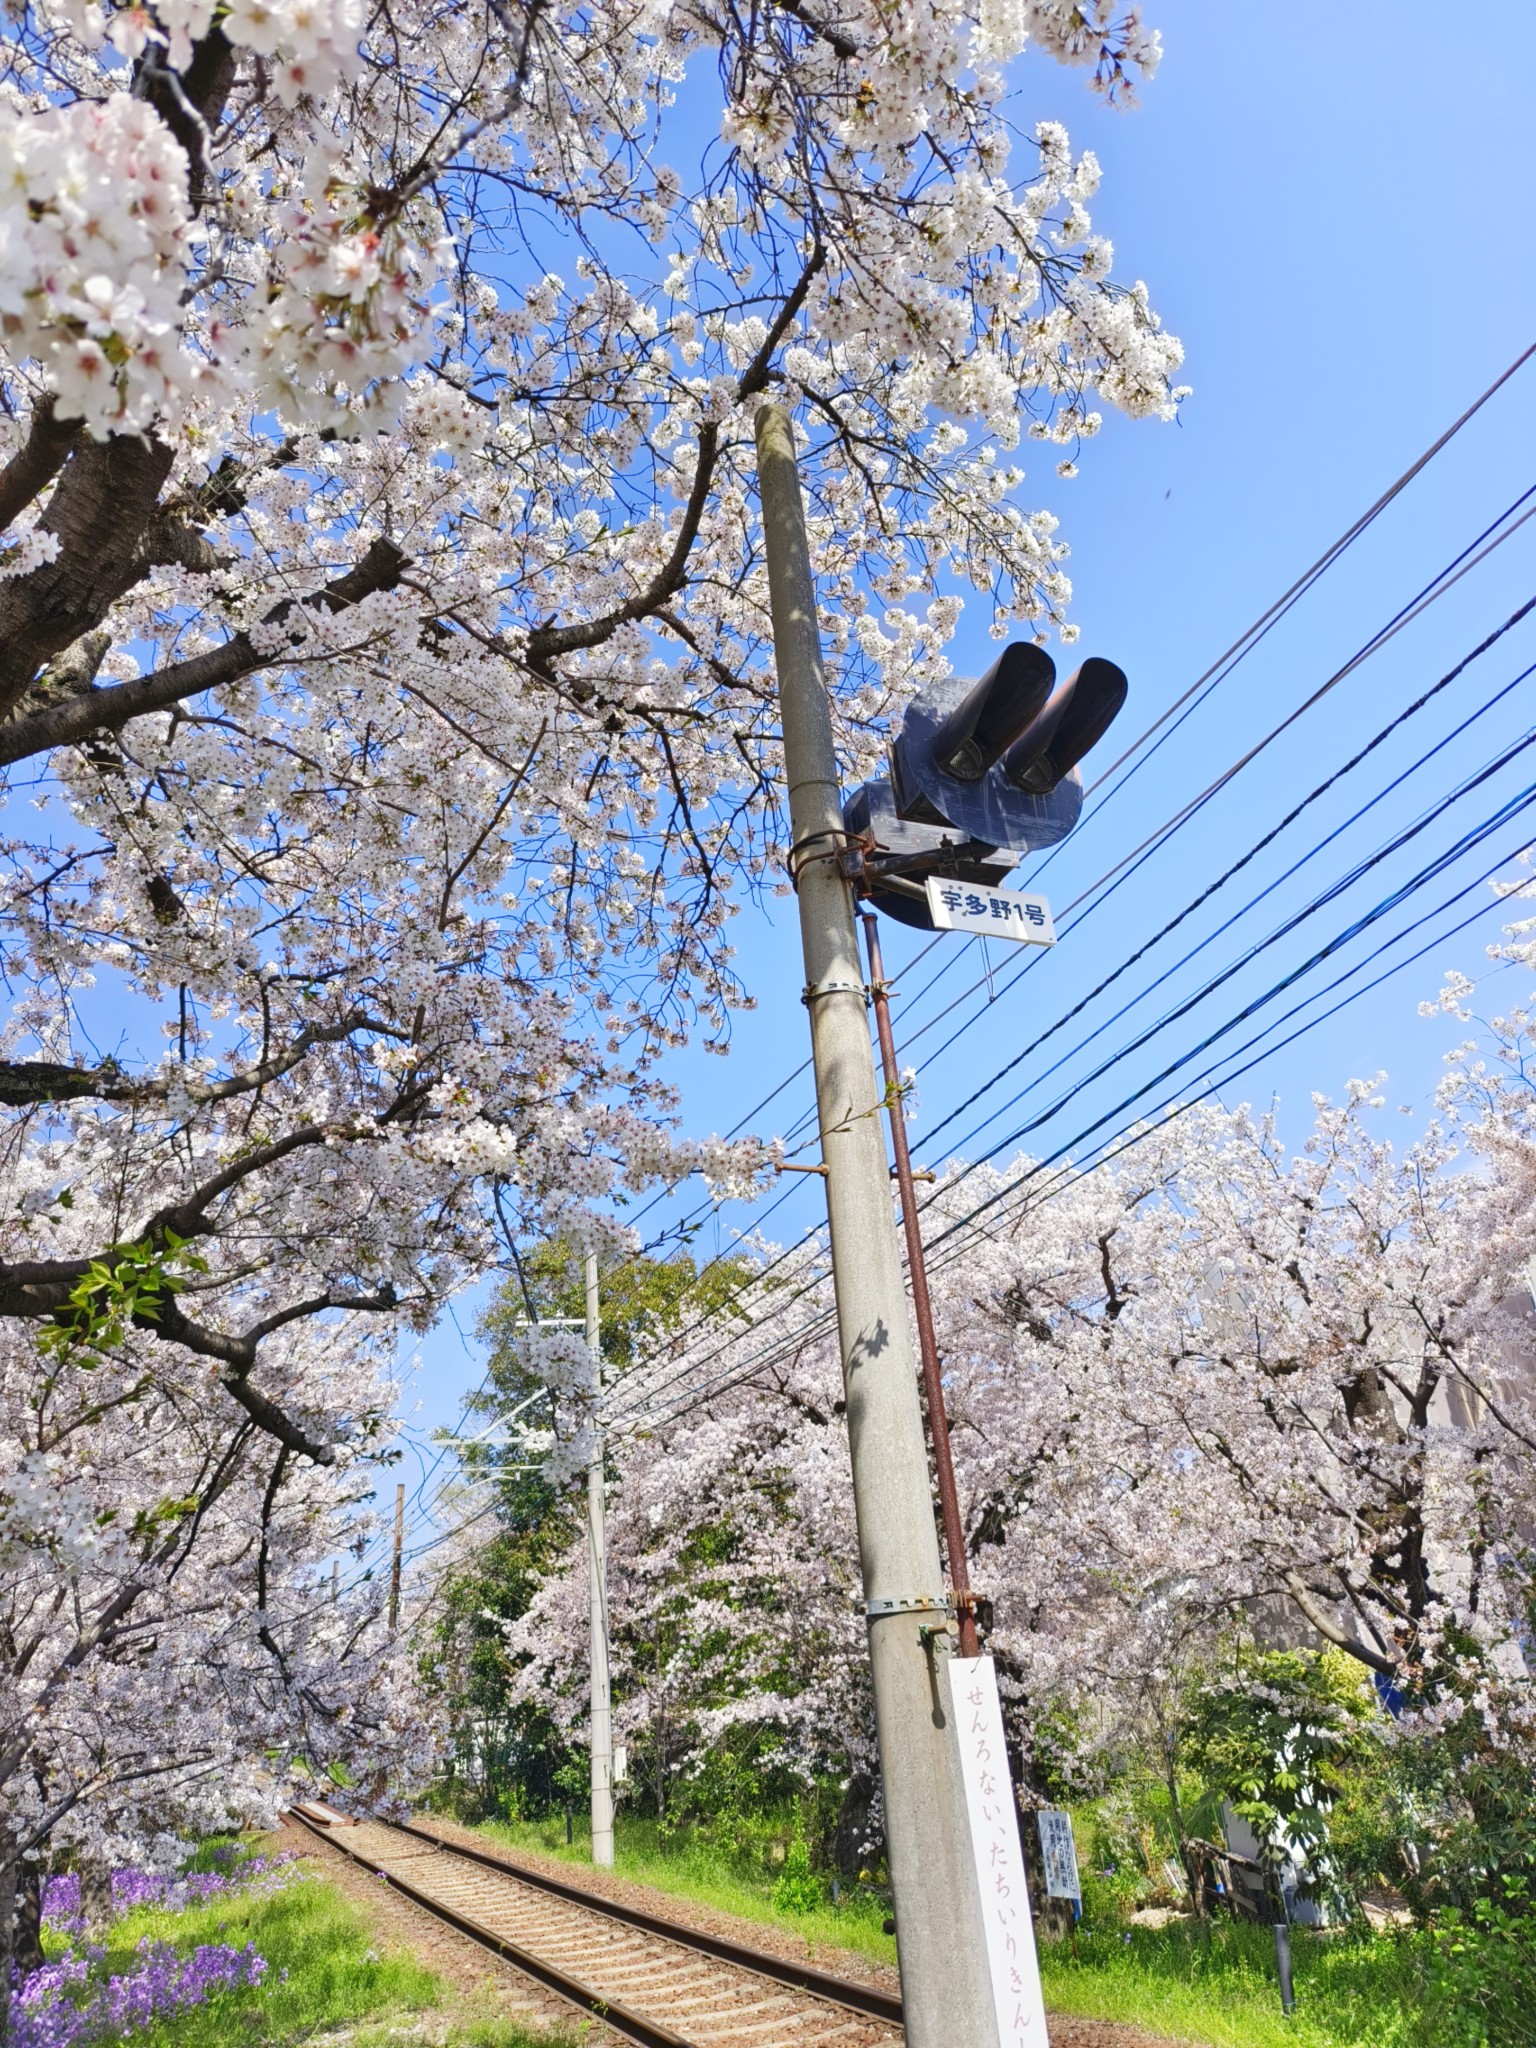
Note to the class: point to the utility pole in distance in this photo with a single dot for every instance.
(945, 1981)
(394, 1565)
(597, 1568)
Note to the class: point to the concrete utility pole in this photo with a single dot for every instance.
(597, 1568)
(394, 1564)
(945, 1981)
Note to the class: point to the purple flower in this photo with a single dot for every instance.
(257, 1874)
(61, 1903)
(59, 2007)
(132, 1888)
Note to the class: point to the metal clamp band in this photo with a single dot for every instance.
(845, 849)
(916, 1603)
(813, 992)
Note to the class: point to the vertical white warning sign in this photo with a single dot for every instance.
(1010, 1932)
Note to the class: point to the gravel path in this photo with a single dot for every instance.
(492, 1983)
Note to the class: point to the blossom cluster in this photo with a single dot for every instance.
(95, 237)
(352, 312)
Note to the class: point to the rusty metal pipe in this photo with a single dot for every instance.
(922, 1304)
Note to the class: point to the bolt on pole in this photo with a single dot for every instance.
(945, 1985)
(922, 1305)
(597, 1571)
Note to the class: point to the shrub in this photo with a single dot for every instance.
(798, 1890)
(1485, 1977)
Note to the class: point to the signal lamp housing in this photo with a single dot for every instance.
(1002, 707)
(981, 773)
(1077, 717)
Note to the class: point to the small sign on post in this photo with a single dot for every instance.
(990, 913)
(1058, 1852)
(1009, 1928)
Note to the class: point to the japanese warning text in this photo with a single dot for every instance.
(1010, 1932)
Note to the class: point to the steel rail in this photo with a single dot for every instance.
(864, 1999)
(647, 2033)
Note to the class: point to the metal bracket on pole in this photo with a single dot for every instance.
(814, 992)
(846, 850)
(917, 1603)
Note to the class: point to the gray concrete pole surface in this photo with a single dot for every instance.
(945, 1984)
(597, 1572)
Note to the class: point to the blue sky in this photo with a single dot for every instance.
(1332, 210)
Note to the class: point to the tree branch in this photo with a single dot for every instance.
(98, 514)
(834, 38)
(37, 461)
(110, 709)
(548, 643)
(24, 1083)
(1335, 1633)
(172, 1326)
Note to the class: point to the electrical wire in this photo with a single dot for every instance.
(1438, 586)
(1197, 693)
(1468, 841)
(1219, 669)
(1442, 581)
(1205, 685)
(1039, 1079)
(1267, 839)
(1513, 807)
(783, 1348)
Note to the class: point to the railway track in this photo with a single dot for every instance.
(650, 1980)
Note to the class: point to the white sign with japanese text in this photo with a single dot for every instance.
(1010, 1932)
(1058, 1852)
(991, 913)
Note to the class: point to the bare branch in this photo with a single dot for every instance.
(1335, 1633)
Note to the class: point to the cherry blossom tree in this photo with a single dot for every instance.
(384, 653)
(385, 614)
(382, 626)
(1213, 1391)
(178, 1651)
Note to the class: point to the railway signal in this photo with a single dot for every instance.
(981, 773)
(946, 1980)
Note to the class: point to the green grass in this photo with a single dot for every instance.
(1351, 1991)
(326, 1975)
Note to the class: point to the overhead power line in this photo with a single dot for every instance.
(1190, 700)
(1457, 566)
(642, 1411)
(1267, 839)
(784, 1347)
(1223, 665)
